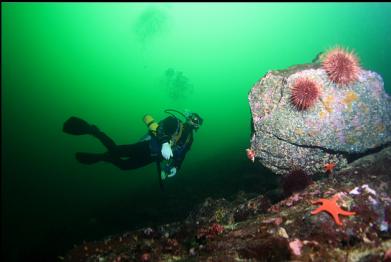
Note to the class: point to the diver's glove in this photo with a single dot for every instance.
(172, 172)
(166, 151)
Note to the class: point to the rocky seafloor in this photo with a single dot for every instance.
(261, 229)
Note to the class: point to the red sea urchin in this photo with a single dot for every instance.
(305, 92)
(341, 66)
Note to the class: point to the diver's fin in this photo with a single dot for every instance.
(89, 158)
(77, 126)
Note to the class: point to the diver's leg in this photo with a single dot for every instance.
(102, 137)
(76, 126)
(89, 158)
(131, 150)
(138, 155)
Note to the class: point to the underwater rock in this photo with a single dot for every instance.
(343, 124)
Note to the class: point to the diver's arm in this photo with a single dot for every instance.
(170, 168)
(166, 129)
(178, 160)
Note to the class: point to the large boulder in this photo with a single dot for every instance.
(345, 123)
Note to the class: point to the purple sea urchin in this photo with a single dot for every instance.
(341, 66)
(305, 92)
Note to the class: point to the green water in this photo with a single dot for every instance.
(111, 64)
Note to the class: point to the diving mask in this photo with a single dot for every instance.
(195, 120)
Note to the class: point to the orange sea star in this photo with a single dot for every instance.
(330, 206)
(329, 167)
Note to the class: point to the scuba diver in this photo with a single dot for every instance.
(166, 144)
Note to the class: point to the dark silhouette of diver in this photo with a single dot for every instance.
(166, 143)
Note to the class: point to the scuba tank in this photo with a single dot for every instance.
(152, 125)
(185, 115)
(150, 122)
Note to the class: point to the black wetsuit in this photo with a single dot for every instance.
(139, 154)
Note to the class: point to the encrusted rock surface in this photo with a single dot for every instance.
(346, 121)
(255, 229)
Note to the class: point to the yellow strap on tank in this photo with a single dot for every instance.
(178, 135)
(188, 139)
